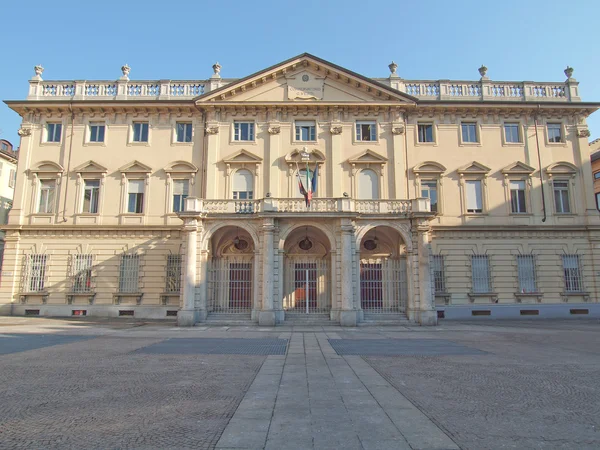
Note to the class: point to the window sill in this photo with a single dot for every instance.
(118, 296)
(470, 144)
(366, 142)
(243, 142)
(181, 144)
(50, 144)
(528, 295)
(493, 296)
(513, 144)
(565, 295)
(71, 295)
(481, 214)
(565, 214)
(443, 295)
(94, 144)
(426, 144)
(87, 214)
(139, 144)
(523, 214)
(305, 142)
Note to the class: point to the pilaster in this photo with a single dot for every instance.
(212, 151)
(334, 167)
(427, 312)
(266, 316)
(398, 163)
(348, 314)
(272, 182)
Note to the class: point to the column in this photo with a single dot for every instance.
(348, 314)
(427, 312)
(266, 317)
(186, 316)
(201, 307)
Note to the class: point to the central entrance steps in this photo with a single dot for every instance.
(292, 319)
(371, 319)
(225, 319)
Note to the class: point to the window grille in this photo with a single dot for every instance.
(527, 273)
(572, 273)
(480, 273)
(35, 272)
(173, 273)
(129, 273)
(82, 272)
(439, 274)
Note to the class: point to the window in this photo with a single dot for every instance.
(572, 273)
(469, 132)
(180, 193)
(243, 185)
(554, 132)
(517, 197)
(597, 176)
(306, 130)
(4, 146)
(368, 184)
(129, 273)
(243, 131)
(184, 132)
(527, 273)
(474, 196)
(425, 131)
(12, 179)
(598, 201)
(35, 272)
(97, 132)
(135, 196)
(480, 273)
(561, 197)
(91, 194)
(53, 132)
(82, 272)
(140, 131)
(439, 275)
(429, 190)
(511, 133)
(47, 194)
(173, 273)
(366, 131)
(1, 166)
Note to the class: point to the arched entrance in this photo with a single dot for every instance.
(383, 272)
(307, 272)
(231, 272)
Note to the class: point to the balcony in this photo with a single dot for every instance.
(298, 206)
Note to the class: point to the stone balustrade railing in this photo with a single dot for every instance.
(441, 90)
(318, 205)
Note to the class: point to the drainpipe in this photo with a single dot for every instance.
(537, 143)
(64, 217)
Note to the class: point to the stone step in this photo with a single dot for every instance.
(229, 319)
(384, 319)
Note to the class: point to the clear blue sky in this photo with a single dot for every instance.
(516, 40)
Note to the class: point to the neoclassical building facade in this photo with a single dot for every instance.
(303, 191)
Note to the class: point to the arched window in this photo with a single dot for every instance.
(243, 185)
(368, 185)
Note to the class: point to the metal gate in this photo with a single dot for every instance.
(383, 286)
(307, 287)
(230, 286)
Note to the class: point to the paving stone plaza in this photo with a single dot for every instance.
(72, 384)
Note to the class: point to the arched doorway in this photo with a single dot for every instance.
(231, 272)
(307, 282)
(383, 272)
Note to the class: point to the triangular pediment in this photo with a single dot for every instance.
(518, 167)
(135, 167)
(474, 167)
(181, 167)
(242, 157)
(429, 167)
(90, 167)
(298, 156)
(367, 157)
(561, 168)
(305, 79)
(47, 167)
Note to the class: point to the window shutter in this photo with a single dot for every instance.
(474, 200)
(136, 186)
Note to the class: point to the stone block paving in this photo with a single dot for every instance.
(218, 346)
(400, 347)
(99, 393)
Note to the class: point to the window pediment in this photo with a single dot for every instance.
(561, 168)
(242, 157)
(368, 157)
(295, 156)
(429, 167)
(47, 168)
(475, 168)
(181, 167)
(90, 167)
(518, 168)
(135, 167)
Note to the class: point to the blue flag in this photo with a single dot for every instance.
(314, 179)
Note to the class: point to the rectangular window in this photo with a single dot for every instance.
(527, 273)
(554, 132)
(572, 273)
(425, 131)
(135, 196)
(91, 194)
(97, 132)
(35, 272)
(4, 146)
(366, 131)
(173, 273)
(243, 131)
(53, 132)
(517, 197)
(47, 196)
(439, 275)
(597, 176)
(129, 273)
(306, 130)
(561, 197)
(429, 190)
(480, 273)
(12, 180)
(180, 193)
(598, 201)
(184, 132)
(469, 132)
(82, 272)
(140, 131)
(474, 196)
(511, 133)
(243, 195)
